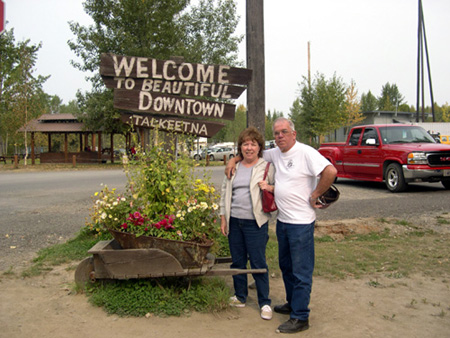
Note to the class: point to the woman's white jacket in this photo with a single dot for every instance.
(255, 192)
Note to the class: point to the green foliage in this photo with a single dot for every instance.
(270, 118)
(390, 98)
(323, 104)
(73, 250)
(368, 102)
(152, 28)
(230, 132)
(163, 199)
(162, 297)
(22, 97)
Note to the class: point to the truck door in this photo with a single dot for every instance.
(365, 158)
(350, 155)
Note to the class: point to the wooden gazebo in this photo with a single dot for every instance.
(66, 124)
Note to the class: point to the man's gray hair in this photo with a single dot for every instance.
(283, 119)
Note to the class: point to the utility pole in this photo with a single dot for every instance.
(309, 64)
(256, 97)
(422, 41)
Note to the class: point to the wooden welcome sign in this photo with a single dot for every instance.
(148, 86)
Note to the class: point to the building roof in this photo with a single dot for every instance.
(55, 123)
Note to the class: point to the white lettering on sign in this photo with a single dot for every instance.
(180, 106)
(169, 69)
(186, 88)
(198, 128)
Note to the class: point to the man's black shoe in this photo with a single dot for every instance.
(284, 309)
(293, 325)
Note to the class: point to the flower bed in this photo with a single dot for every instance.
(162, 199)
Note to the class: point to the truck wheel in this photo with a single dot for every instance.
(394, 179)
(211, 157)
(197, 157)
(231, 156)
(446, 184)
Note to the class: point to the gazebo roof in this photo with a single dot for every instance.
(55, 123)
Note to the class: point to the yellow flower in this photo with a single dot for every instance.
(96, 194)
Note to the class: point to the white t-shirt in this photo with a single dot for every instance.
(295, 179)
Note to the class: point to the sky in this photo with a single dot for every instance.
(365, 41)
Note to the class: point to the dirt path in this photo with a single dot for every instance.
(46, 306)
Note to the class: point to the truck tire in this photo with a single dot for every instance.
(446, 184)
(211, 157)
(394, 179)
(197, 157)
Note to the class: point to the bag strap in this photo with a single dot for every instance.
(266, 171)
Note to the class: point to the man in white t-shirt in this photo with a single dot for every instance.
(302, 175)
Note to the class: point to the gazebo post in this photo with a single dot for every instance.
(100, 147)
(32, 149)
(112, 148)
(49, 142)
(66, 148)
(93, 141)
(81, 142)
(86, 140)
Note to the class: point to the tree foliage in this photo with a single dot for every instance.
(368, 102)
(323, 105)
(160, 29)
(21, 95)
(269, 119)
(353, 106)
(390, 98)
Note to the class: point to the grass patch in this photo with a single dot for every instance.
(416, 252)
(161, 297)
(73, 250)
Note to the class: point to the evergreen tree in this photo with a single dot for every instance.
(390, 98)
(368, 102)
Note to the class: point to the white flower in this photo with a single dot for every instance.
(215, 206)
(103, 216)
(115, 203)
(203, 224)
(123, 199)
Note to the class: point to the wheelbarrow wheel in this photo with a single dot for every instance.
(84, 274)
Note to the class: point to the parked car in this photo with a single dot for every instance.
(196, 154)
(217, 154)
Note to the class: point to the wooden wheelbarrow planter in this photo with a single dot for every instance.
(110, 261)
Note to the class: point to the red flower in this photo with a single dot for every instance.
(124, 226)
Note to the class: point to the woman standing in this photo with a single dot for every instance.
(243, 219)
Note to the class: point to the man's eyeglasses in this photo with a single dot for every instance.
(284, 132)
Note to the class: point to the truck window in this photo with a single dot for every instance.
(354, 138)
(369, 133)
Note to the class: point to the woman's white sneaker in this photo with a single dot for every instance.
(234, 301)
(266, 312)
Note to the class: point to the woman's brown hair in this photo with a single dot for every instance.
(251, 134)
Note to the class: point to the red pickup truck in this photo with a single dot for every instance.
(394, 153)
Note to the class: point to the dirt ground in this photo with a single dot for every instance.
(417, 306)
